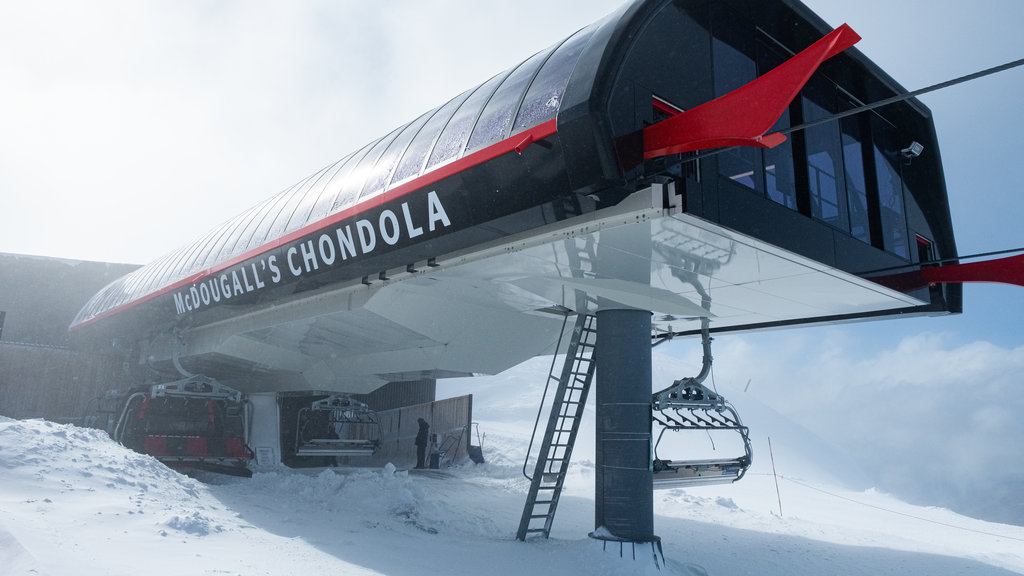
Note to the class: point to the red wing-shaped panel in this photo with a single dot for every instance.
(1008, 270)
(743, 116)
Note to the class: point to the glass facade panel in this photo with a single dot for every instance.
(496, 119)
(452, 140)
(825, 164)
(545, 93)
(856, 183)
(779, 173)
(734, 66)
(416, 154)
(779, 176)
(890, 187)
(890, 202)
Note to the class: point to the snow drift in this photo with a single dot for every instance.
(74, 502)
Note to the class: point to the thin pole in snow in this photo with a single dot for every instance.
(777, 493)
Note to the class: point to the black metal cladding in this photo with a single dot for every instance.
(521, 98)
(840, 193)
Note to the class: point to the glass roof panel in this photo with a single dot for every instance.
(305, 212)
(496, 118)
(280, 226)
(355, 179)
(545, 93)
(255, 233)
(381, 173)
(332, 199)
(415, 156)
(453, 139)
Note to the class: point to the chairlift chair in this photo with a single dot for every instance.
(337, 426)
(688, 405)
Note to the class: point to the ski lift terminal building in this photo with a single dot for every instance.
(678, 167)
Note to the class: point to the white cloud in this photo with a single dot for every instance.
(932, 420)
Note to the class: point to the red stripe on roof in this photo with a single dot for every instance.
(491, 152)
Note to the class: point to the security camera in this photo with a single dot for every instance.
(912, 151)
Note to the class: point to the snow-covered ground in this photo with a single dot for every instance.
(74, 502)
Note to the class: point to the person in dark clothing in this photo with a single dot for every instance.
(421, 442)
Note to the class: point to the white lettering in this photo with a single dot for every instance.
(214, 289)
(256, 275)
(308, 256)
(327, 252)
(296, 271)
(346, 245)
(179, 303)
(238, 284)
(367, 237)
(245, 278)
(204, 292)
(275, 272)
(225, 286)
(392, 237)
(413, 231)
(436, 211)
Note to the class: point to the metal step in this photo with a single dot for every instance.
(566, 413)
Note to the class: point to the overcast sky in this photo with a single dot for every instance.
(129, 127)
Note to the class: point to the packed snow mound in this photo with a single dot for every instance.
(74, 502)
(68, 458)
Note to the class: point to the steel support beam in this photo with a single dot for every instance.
(624, 486)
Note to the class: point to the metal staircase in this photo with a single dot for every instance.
(560, 435)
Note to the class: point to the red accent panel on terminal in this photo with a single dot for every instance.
(744, 116)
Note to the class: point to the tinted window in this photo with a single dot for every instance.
(890, 202)
(732, 50)
(779, 173)
(856, 184)
(824, 162)
(890, 189)
(779, 176)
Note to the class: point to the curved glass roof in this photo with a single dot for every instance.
(516, 100)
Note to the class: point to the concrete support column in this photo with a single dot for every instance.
(624, 493)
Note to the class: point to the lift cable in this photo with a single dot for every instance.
(907, 96)
(951, 259)
(700, 154)
(883, 509)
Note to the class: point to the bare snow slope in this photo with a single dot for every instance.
(73, 502)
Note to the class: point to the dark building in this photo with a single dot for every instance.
(41, 375)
